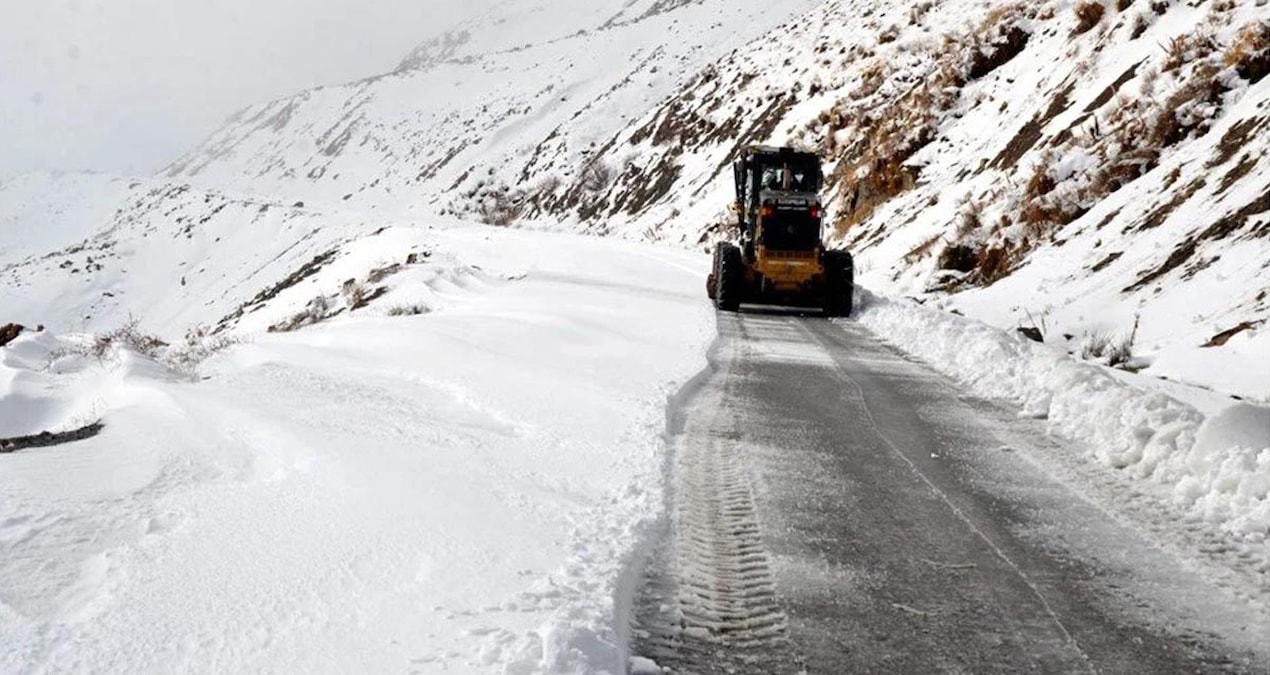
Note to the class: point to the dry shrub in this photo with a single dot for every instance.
(1088, 14)
(318, 309)
(876, 169)
(1115, 351)
(872, 77)
(596, 177)
(355, 293)
(549, 185)
(893, 113)
(199, 345)
(106, 346)
(970, 218)
(1188, 48)
(409, 310)
(922, 250)
(1128, 138)
(499, 208)
(1249, 54)
(999, 38)
(1039, 213)
(994, 263)
(128, 336)
(1179, 114)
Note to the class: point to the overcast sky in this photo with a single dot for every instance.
(126, 86)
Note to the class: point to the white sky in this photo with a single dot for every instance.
(126, 86)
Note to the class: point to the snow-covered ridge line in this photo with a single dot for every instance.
(1216, 467)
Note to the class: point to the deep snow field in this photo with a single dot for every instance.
(462, 490)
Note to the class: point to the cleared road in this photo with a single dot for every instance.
(837, 508)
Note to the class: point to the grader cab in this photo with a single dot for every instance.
(780, 258)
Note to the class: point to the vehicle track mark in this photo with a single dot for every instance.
(709, 603)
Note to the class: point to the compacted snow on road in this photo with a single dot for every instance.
(465, 489)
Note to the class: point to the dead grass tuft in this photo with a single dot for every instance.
(1113, 350)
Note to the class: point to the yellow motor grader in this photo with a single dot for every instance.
(780, 259)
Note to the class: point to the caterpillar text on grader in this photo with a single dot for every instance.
(780, 259)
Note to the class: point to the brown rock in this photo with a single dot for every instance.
(9, 332)
(1032, 333)
(1217, 340)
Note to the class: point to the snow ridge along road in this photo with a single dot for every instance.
(904, 527)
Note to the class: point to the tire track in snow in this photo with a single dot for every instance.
(709, 602)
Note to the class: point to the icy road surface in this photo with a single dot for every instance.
(838, 508)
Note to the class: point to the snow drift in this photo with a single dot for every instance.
(464, 486)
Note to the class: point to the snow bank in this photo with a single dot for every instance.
(52, 383)
(1217, 466)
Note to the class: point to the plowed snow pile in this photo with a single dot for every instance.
(1216, 465)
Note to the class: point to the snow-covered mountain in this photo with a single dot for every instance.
(284, 181)
(1094, 169)
(479, 97)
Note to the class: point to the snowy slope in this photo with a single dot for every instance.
(532, 80)
(222, 223)
(461, 490)
(1042, 175)
(43, 212)
(171, 256)
(1100, 180)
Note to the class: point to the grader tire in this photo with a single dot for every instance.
(839, 283)
(729, 278)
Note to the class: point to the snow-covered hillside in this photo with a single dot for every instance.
(1096, 181)
(481, 97)
(240, 212)
(1097, 171)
